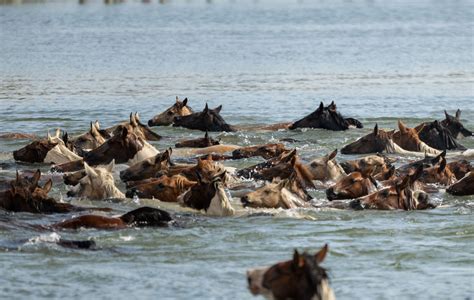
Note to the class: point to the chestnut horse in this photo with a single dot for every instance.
(204, 142)
(147, 168)
(165, 188)
(300, 278)
(408, 139)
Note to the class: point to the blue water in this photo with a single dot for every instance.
(63, 64)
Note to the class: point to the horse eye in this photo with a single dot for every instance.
(170, 113)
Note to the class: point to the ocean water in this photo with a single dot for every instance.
(64, 64)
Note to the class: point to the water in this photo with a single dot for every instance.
(63, 65)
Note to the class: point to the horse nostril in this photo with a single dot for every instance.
(150, 123)
(356, 204)
(70, 194)
(249, 280)
(330, 194)
(245, 200)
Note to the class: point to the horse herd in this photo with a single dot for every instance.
(194, 175)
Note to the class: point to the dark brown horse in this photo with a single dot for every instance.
(178, 109)
(460, 168)
(299, 278)
(435, 135)
(463, 187)
(204, 142)
(87, 141)
(327, 118)
(125, 147)
(208, 196)
(140, 217)
(454, 125)
(207, 120)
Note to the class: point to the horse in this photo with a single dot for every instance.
(463, 187)
(380, 165)
(299, 278)
(326, 168)
(454, 125)
(402, 196)
(136, 127)
(124, 147)
(49, 150)
(439, 173)
(287, 193)
(87, 141)
(180, 108)
(25, 195)
(208, 196)
(378, 141)
(435, 135)
(327, 118)
(204, 142)
(352, 186)
(460, 168)
(408, 139)
(265, 151)
(98, 184)
(166, 189)
(207, 120)
(147, 168)
(140, 217)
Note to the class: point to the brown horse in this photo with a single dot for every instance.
(460, 168)
(140, 217)
(327, 118)
(147, 168)
(378, 141)
(300, 278)
(204, 142)
(207, 120)
(463, 187)
(89, 140)
(25, 195)
(287, 193)
(266, 151)
(408, 139)
(123, 147)
(399, 196)
(206, 168)
(49, 150)
(208, 196)
(137, 127)
(439, 173)
(165, 188)
(379, 164)
(352, 186)
(179, 109)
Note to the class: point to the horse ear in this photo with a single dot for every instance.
(321, 106)
(206, 108)
(177, 99)
(57, 134)
(65, 137)
(332, 155)
(418, 172)
(218, 109)
(89, 171)
(321, 254)
(97, 125)
(49, 137)
(17, 176)
(185, 102)
(298, 261)
(110, 166)
(199, 163)
(420, 129)
(376, 129)
(36, 177)
(94, 130)
(47, 186)
(198, 177)
(442, 165)
(206, 135)
(401, 126)
(137, 117)
(458, 114)
(293, 161)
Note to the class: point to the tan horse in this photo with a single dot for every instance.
(98, 184)
(326, 168)
(179, 109)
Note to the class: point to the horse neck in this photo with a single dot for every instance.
(424, 148)
(220, 205)
(335, 171)
(147, 151)
(60, 155)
